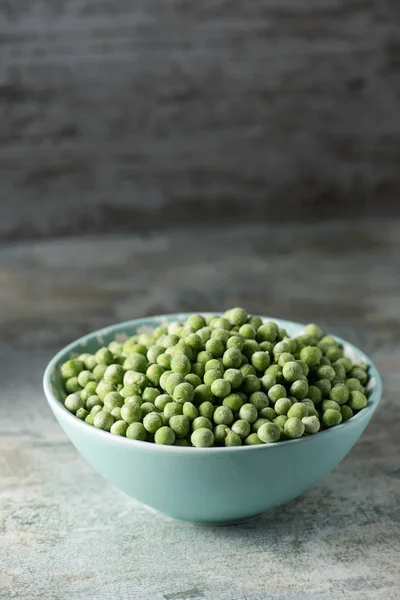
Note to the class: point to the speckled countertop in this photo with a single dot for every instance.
(65, 534)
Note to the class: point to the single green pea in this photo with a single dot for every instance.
(237, 316)
(334, 353)
(277, 391)
(85, 377)
(346, 363)
(313, 330)
(324, 385)
(171, 409)
(113, 399)
(221, 334)
(135, 399)
(71, 368)
(153, 421)
(211, 376)
(269, 433)
(340, 371)
(353, 385)
(332, 417)
(164, 378)
(202, 394)
(221, 388)
(280, 420)
(357, 400)
(204, 356)
(232, 358)
(330, 404)
(294, 428)
(311, 355)
(248, 412)
(297, 410)
(232, 439)
(251, 384)
(193, 379)
(360, 374)
(347, 412)
(304, 367)
(252, 440)
(190, 411)
(268, 413)
(131, 413)
(206, 409)
(315, 394)
(136, 431)
(215, 364)
(183, 392)
(257, 424)
(267, 382)
(235, 341)
(283, 358)
(247, 369)
(235, 377)
(89, 419)
(339, 393)
(180, 364)
(165, 435)
(150, 394)
(182, 348)
(194, 341)
(198, 369)
(173, 380)
(326, 342)
(311, 424)
(210, 319)
(138, 378)
(81, 413)
(88, 360)
(201, 423)
(154, 373)
(147, 407)
(233, 401)
(89, 390)
(267, 332)
(292, 371)
(215, 347)
(280, 348)
(116, 413)
(131, 346)
(104, 388)
(326, 372)
(223, 415)
(162, 400)
(164, 360)
(159, 331)
(204, 334)
(103, 420)
(154, 352)
(220, 433)
(325, 362)
(249, 348)
(174, 328)
(255, 322)
(299, 388)
(72, 385)
(73, 403)
(93, 400)
(180, 425)
(282, 406)
(119, 428)
(104, 357)
(259, 399)
(196, 321)
(96, 409)
(168, 341)
(98, 372)
(276, 371)
(260, 360)
(221, 323)
(114, 374)
(182, 442)
(241, 428)
(202, 438)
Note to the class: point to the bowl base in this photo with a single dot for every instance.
(228, 523)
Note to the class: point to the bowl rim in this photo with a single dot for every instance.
(57, 407)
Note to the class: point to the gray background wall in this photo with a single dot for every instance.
(121, 114)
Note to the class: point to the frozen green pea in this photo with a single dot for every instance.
(134, 399)
(276, 371)
(220, 433)
(147, 408)
(235, 377)
(164, 360)
(277, 391)
(339, 393)
(284, 358)
(304, 367)
(268, 381)
(247, 369)
(131, 413)
(357, 400)
(280, 348)
(135, 377)
(204, 356)
(196, 321)
(315, 394)
(326, 342)
(237, 316)
(235, 341)
(326, 372)
(223, 415)
(232, 439)
(103, 420)
(116, 413)
(204, 334)
(221, 334)
(72, 385)
(294, 428)
(164, 378)
(198, 369)
(268, 413)
(96, 409)
(182, 348)
(202, 438)
(259, 399)
(255, 322)
(73, 403)
(180, 364)
(168, 341)
(104, 388)
(313, 330)
(180, 425)
(113, 399)
(332, 417)
(269, 433)
(346, 363)
(104, 357)
(201, 423)
(241, 428)
(340, 371)
(85, 377)
(181, 442)
(202, 394)
(175, 327)
(71, 368)
(325, 362)
(183, 392)
(171, 409)
(173, 380)
(260, 360)
(249, 348)
(266, 347)
(326, 404)
(297, 410)
(206, 409)
(215, 347)
(299, 389)
(334, 353)
(89, 390)
(324, 385)
(114, 374)
(119, 428)
(347, 412)
(98, 372)
(221, 323)
(311, 355)
(311, 424)
(190, 411)
(353, 385)
(251, 384)
(153, 421)
(267, 332)
(232, 358)
(211, 376)
(136, 431)
(154, 352)
(132, 346)
(214, 364)
(194, 341)
(233, 401)
(88, 360)
(193, 379)
(154, 373)
(257, 424)
(248, 412)
(150, 394)
(93, 400)
(292, 371)
(162, 400)
(282, 406)
(164, 435)
(280, 420)
(221, 388)
(81, 413)
(360, 374)
(89, 419)
(252, 440)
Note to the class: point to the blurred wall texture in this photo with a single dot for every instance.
(121, 114)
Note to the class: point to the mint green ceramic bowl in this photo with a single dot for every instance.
(206, 485)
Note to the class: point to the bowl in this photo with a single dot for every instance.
(214, 486)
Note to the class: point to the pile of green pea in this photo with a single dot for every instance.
(216, 381)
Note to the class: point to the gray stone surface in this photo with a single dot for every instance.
(65, 534)
(119, 114)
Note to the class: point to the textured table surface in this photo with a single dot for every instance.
(65, 534)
